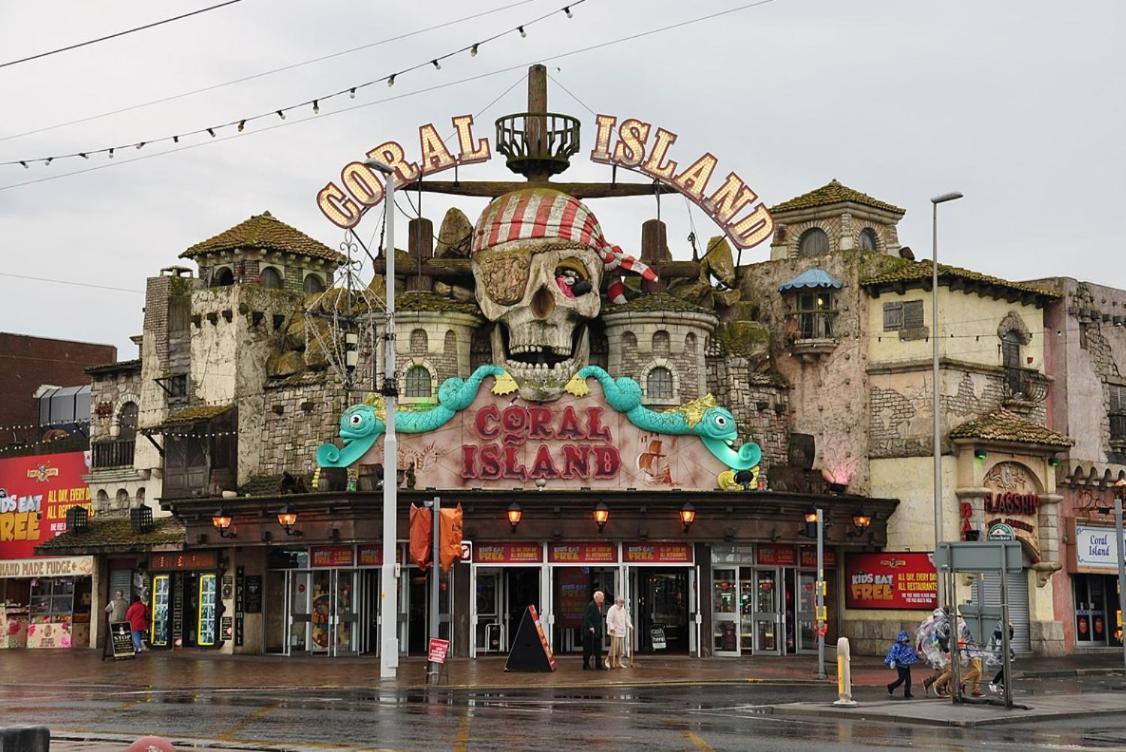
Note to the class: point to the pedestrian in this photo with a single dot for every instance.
(933, 644)
(138, 617)
(901, 656)
(971, 656)
(618, 624)
(997, 646)
(592, 632)
(115, 612)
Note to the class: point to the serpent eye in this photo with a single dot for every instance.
(356, 419)
(720, 421)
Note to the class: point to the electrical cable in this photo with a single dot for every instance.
(263, 74)
(119, 34)
(69, 282)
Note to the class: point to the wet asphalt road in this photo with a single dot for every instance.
(650, 719)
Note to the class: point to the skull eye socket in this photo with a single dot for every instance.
(573, 277)
(504, 275)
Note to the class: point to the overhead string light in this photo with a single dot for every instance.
(436, 62)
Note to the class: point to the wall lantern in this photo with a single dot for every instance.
(287, 519)
(860, 521)
(1053, 461)
(810, 518)
(980, 454)
(515, 513)
(687, 515)
(601, 515)
(221, 521)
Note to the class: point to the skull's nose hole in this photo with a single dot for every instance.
(543, 303)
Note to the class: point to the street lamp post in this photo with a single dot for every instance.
(1119, 492)
(934, 376)
(389, 600)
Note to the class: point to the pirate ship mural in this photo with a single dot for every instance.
(573, 360)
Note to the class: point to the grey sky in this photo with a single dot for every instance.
(1019, 105)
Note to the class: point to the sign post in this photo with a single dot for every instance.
(1120, 555)
(820, 621)
(435, 667)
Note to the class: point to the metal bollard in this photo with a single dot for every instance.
(844, 674)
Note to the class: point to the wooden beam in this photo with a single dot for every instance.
(494, 188)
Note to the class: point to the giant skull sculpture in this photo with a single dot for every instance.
(538, 261)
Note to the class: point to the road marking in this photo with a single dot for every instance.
(261, 712)
(462, 742)
(697, 742)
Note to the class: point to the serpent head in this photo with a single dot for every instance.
(360, 421)
(718, 431)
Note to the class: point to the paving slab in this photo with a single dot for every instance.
(945, 713)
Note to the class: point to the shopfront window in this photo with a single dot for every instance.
(1096, 607)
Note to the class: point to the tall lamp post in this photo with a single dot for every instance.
(389, 600)
(934, 376)
(1119, 492)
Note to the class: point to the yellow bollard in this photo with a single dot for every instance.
(844, 674)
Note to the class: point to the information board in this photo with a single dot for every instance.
(121, 638)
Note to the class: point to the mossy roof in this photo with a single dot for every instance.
(417, 300)
(1005, 425)
(833, 193)
(263, 231)
(661, 302)
(196, 413)
(119, 366)
(915, 271)
(116, 534)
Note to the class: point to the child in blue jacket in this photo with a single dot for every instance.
(901, 656)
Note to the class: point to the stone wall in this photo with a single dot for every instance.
(640, 342)
(759, 403)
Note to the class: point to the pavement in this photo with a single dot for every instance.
(181, 670)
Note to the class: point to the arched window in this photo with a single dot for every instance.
(869, 241)
(418, 382)
(127, 421)
(660, 342)
(313, 284)
(222, 277)
(658, 384)
(1010, 350)
(270, 278)
(813, 242)
(122, 497)
(140, 496)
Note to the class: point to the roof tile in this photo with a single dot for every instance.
(117, 533)
(1005, 425)
(265, 232)
(833, 193)
(902, 270)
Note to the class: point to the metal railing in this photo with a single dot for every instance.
(1024, 384)
(538, 142)
(117, 453)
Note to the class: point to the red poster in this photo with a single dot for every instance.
(35, 493)
(574, 593)
(543, 637)
(507, 553)
(891, 580)
(332, 556)
(657, 553)
(598, 552)
(807, 557)
(438, 651)
(779, 556)
(371, 554)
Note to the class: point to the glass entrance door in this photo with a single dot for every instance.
(324, 614)
(806, 611)
(725, 640)
(345, 614)
(766, 612)
(487, 633)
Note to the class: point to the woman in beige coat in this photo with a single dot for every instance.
(618, 624)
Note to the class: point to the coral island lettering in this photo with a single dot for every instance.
(586, 451)
(633, 144)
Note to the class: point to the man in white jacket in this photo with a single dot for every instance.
(618, 625)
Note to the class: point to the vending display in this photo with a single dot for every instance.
(208, 612)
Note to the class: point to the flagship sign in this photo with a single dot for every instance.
(633, 144)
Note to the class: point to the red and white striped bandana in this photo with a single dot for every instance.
(535, 213)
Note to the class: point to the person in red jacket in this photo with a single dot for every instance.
(138, 617)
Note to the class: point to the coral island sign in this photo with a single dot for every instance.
(596, 435)
(634, 145)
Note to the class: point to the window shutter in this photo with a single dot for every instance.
(1117, 399)
(913, 315)
(893, 316)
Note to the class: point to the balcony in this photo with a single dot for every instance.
(1023, 388)
(105, 455)
(811, 334)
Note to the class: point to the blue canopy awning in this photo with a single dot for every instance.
(812, 278)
